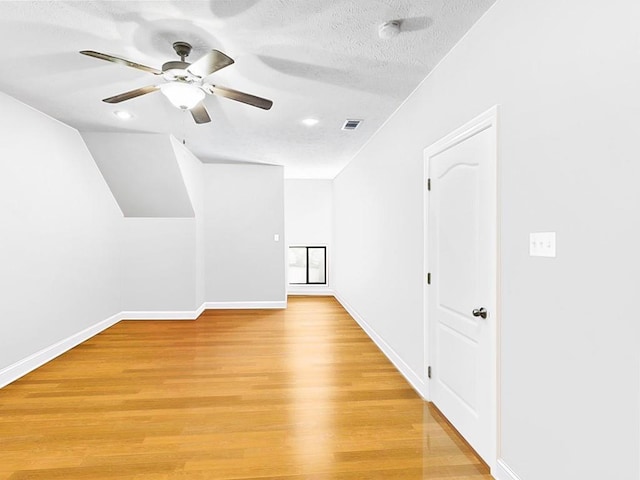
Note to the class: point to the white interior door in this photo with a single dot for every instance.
(461, 255)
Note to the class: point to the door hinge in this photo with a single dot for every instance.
(429, 371)
(428, 278)
(429, 184)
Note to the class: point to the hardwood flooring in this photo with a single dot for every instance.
(300, 393)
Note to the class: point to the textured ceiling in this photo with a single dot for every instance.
(313, 58)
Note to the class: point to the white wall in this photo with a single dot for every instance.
(58, 235)
(244, 208)
(158, 265)
(308, 213)
(566, 77)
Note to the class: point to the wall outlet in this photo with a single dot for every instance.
(542, 244)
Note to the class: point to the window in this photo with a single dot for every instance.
(308, 265)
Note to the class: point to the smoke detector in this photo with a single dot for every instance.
(389, 29)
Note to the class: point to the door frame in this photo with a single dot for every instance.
(484, 121)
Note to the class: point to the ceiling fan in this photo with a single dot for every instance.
(185, 84)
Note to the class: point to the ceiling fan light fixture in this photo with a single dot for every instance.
(184, 96)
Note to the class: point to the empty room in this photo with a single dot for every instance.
(286, 239)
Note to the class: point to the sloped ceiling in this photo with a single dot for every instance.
(314, 58)
(142, 173)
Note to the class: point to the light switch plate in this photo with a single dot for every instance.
(542, 244)
(276, 237)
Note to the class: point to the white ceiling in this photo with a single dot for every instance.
(313, 58)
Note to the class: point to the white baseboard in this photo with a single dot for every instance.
(412, 377)
(22, 367)
(316, 292)
(504, 472)
(164, 315)
(244, 305)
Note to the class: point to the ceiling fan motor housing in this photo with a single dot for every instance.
(175, 65)
(176, 70)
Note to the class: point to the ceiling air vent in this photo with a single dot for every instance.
(351, 124)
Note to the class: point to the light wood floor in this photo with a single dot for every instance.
(295, 394)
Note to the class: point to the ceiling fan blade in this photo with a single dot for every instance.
(211, 62)
(121, 61)
(240, 96)
(131, 94)
(200, 114)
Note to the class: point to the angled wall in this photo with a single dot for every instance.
(142, 172)
(59, 259)
(566, 77)
(155, 181)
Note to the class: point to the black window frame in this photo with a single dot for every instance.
(307, 247)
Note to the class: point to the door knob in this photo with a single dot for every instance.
(480, 312)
